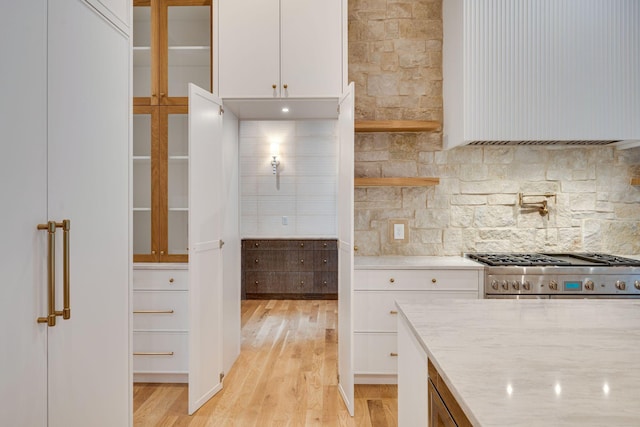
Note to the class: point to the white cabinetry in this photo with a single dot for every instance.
(160, 323)
(280, 48)
(375, 314)
(65, 130)
(413, 379)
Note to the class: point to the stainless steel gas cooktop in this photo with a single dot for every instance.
(559, 275)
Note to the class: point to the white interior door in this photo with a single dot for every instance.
(88, 181)
(23, 191)
(205, 247)
(345, 247)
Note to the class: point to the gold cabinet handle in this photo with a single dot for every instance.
(285, 86)
(153, 252)
(162, 94)
(50, 226)
(161, 252)
(355, 249)
(433, 280)
(392, 280)
(274, 86)
(171, 280)
(393, 312)
(152, 311)
(153, 353)
(393, 354)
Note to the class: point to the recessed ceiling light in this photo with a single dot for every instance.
(285, 109)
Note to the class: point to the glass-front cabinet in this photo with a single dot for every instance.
(171, 48)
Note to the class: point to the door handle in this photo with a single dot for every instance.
(50, 320)
(51, 227)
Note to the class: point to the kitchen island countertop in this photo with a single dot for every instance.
(535, 362)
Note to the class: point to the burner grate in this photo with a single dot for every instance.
(498, 259)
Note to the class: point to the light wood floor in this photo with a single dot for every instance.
(286, 375)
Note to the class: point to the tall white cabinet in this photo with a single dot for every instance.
(65, 131)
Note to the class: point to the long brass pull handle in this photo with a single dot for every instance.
(50, 226)
(393, 354)
(152, 311)
(153, 353)
(393, 312)
(66, 286)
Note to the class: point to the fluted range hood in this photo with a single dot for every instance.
(562, 72)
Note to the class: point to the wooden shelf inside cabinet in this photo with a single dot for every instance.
(635, 180)
(396, 182)
(396, 126)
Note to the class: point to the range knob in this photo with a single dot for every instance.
(494, 285)
(620, 285)
(505, 285)
(637, 284)
(526, 286)
(515, 285)
(588, 285)
(553, 285)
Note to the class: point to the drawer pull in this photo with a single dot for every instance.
(324, 260)
(257, 282)
(302, 245)
(392, 280)
(324, 283)
(301, 261)
(393, 312)
(302, 283)
(433, 280)
(171, 280)
(393, 354)
(153, 353)
(257, 261)
(153, 312)
(257, 245)
(324, 245)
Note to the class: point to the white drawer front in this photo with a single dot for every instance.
(406, 280)
(160, 310)
(160, 279)
(162, 344)
(375, 353)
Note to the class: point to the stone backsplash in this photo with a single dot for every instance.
(475, 206)
(395, 60)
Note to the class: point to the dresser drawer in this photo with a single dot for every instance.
(375, 311)
(416, 280)
(375, 353)
(162, 310)
(169, 352)
(160, 279)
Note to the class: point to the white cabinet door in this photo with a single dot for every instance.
(281, 49)
(311, 48)
(205, 247)
(23, 191)
(345, 247)
(249, 52)
(88, 181)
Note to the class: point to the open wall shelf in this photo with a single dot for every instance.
(396, 182)
(396, 126)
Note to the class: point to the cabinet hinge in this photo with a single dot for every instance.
(221, 376)
(221, 111)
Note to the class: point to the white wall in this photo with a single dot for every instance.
(303, 190)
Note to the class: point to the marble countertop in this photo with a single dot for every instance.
(414, 262)
(535, 362)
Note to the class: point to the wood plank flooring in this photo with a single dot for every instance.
(286, 375)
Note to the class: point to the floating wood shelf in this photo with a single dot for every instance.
(396, 182)
(635, 180)
(396, 126)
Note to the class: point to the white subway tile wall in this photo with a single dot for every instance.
(303, 190)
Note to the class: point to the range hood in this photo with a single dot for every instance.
(543, 72)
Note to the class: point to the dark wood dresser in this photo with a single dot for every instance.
(290, 269)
